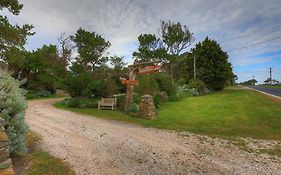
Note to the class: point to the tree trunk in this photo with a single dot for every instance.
(130, 89)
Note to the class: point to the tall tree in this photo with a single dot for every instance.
(91, 48)
(42, 69)
(12, 36)
(174, 39)
(66, 48)
(117, 63)
(212, 64)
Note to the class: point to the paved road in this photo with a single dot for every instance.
(272, 91)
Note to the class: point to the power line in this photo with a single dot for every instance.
(252, 71)
(255, 44)
(256, 71)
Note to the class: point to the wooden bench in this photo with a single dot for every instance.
(107, 103)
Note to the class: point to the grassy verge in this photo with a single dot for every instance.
(229, 113)
(38, 162)
(273, 151)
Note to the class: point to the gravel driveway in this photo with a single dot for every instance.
(97, 146)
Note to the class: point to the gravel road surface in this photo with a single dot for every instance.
(97, 146)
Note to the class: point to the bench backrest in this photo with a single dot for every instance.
(109, 100)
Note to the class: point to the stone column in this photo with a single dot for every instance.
(5, 161)
(147, 108)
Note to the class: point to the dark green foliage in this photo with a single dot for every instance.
(250, 82)
(43, 70)
(212, 64)
(121, 102)
(12, 106)
(134, 108)
(89, 76)
(80, 83)
(12, 5)
(174, 39)
(97, 88)
(164, 83)
(77, 81)
(91, 47)
(117, 63)
(12, 36)
(34, 94)
(159, 98)
(149, 49)
(199, 85)
(175, 97)
(147, 85)
(78, 102)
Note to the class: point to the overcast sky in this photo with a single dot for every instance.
(234, 24)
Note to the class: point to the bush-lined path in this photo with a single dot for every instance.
(97, 146)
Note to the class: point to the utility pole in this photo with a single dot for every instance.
(194, 66)
(253, 77)
(270, 75)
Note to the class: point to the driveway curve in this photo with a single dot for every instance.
(96, 146)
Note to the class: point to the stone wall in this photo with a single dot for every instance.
(147, 108)
(5, 161)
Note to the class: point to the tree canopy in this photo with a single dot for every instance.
(12, 36)
(173, 40)
(212, 64)
(91, 48)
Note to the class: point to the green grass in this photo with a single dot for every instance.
(226, 114)
(276, 151)
(38, 162)
(44, 163)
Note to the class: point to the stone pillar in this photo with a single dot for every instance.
(5, 161)
(147, 108)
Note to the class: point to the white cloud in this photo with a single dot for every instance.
(233, 23)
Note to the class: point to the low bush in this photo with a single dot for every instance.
(121, 102)
(134, 108)
(12, 106)
(175, 97)
(78, 102)
(34, 94)
(160, 98)
(199, 85)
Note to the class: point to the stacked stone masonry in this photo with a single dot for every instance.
(147, 108)
(6, 167)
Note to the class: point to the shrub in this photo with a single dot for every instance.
(134, 108)
(77, 81)
(193, 92)
(78, 102)
(199, 85)
(121, 102)
(174, 97)
(96, 88)
(164, 83)
(34, 94)
(147, 85)
(12, 107)
(160, 98)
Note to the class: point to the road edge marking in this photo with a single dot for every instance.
(275, 96)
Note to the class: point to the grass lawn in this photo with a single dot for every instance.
(38, 162)
(226, 114)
